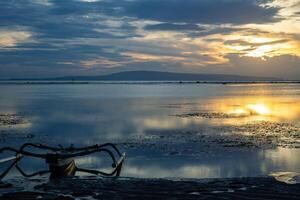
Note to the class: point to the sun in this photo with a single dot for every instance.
(261, 52)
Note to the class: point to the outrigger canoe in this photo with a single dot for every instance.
(62, 161)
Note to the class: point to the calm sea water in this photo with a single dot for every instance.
(137, 116)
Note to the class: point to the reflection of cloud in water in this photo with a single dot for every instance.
(226, 164)
(89, 160)
(184, 171)
(283, 156)
(251, 165)
(164, 122)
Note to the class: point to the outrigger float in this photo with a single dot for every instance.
(61, 161)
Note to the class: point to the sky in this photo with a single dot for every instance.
(53, 38)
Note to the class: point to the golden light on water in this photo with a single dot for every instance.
(238, 111)
(260, 108)
(229, 111)
(252, 109)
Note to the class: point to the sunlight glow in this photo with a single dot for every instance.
(260, 39)
(261, 51)
(252, 109)
(260, 109)
(238, 111)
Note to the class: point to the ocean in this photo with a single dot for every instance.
(166, 129)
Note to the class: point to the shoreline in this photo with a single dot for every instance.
(29, 82)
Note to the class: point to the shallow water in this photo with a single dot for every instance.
(167, 130)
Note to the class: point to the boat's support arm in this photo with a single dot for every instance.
(15, 159)
(116, 171)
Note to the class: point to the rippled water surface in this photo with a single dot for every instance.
(167, 130)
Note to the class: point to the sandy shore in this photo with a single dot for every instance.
(131, 188)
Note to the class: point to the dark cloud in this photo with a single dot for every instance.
(55, 30)
(216, 30)
(62, 19)
(297, 13)
(245, 43)
(173, 27)
(284, 66)
(73, 7)
(201, 11)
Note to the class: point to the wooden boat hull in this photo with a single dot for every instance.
(62, 168)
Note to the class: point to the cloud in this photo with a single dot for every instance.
(13, 37)
(152, 57)
(283, 66)
(215, 30)
(63, 19)
(259, 42)
(43, 2)
(100, 62)
(201, 11)
(173, 27)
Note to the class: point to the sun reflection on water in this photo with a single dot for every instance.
(227, 111)
(273, 109)
(252, 109)
(260, 109)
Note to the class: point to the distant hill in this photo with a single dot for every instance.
(159, 76)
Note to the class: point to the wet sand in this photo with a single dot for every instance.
(11, 128)
(7, 119)
(131, 188)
